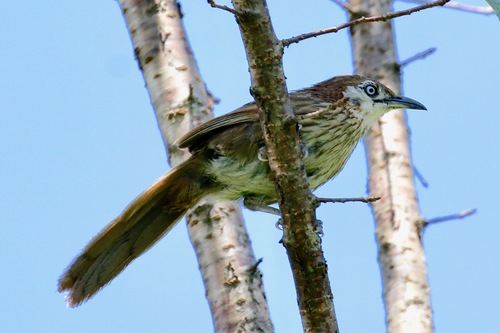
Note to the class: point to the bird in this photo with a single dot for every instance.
(227, 162)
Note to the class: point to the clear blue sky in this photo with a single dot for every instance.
(78, 141)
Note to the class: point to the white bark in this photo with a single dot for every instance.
(181, 101)
(398, 219)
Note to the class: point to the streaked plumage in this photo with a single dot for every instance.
(334, 115)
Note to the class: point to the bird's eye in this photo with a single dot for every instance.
(370, 90)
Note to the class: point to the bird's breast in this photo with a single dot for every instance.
(330, 143)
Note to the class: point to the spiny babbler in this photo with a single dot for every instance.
(227, 162)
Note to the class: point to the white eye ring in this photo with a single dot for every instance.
(370, 90)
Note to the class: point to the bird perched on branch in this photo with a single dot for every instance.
(227, 163)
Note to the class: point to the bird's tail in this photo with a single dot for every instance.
(142, 223)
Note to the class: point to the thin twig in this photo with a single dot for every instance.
(417, 56)
(361, 20)
(254, 269)
(343, 4)
(226, 8)
(457, 216)
(485, 10)
(421, 178)
(344, 200)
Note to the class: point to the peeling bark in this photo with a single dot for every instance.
(181, 101)
(398, 219)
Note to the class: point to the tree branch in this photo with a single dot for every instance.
(420, 177)
(457, 216)
(418, 56)
(485, 10)
(343, 4)
(363, 20)
(344, 200)
(222, 7)
(283, 148)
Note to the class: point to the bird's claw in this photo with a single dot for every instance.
(262, 154)
(319, 228)
(279, 224)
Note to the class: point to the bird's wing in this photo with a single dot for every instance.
(246, 113)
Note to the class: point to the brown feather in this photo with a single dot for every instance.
(333, 116)
(142, 223)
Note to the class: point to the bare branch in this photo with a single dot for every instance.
(485, 10)
(343, 4)
(362, 20)
(418, 56)
(420, 177)
(226, 8)
(283, 149)
(344, 200)
(254, 270)
(457, 216)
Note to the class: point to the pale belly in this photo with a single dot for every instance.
(240, 180)
(252, 179)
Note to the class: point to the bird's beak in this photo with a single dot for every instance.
(399, 102)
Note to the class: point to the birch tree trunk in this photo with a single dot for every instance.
(398, 220)
(181, 101)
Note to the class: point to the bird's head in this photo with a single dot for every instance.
(374, 99)
(369, 99)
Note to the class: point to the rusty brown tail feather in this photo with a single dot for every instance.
(142, 223)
